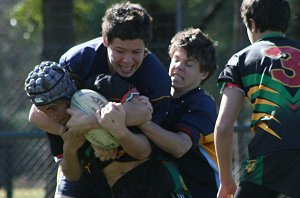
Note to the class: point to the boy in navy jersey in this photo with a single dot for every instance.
(121, 52)
(267, 72)
(187, 133)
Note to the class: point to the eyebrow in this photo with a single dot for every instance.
(51, 106)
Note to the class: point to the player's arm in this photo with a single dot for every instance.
(40, 120)
(177, 144)
(112, 119)
(70, 163)
(116, 89)
(137, 111)
(231, 103)
(81, 123)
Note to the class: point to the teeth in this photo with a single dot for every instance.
(177, 77)
(126, 68)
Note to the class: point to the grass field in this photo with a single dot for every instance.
(25, 193)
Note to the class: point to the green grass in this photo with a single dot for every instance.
(25, 193)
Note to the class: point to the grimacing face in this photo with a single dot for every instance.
(185, 72)
(57, 111)
(125, 56)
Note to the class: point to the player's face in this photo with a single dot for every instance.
(57, 111)
(184, 72)
(125, 57)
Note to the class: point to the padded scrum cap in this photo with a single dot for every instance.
(49, 82)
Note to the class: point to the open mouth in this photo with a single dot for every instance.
(177, 77)
(126, 70)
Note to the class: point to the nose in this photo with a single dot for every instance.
(179, 65)
(127, 58)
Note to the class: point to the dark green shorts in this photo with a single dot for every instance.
(278, 171)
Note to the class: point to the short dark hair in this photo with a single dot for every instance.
(127, 21)
(273, 15)
(198, 46)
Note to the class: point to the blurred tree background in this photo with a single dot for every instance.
(36, 30)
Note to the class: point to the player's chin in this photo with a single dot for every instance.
(126, 74)
(177, 85)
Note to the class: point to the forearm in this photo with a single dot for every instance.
(230, 106)
(136, 145)
(40, 120)
(71, 166)
(177, 144)
(223, 144)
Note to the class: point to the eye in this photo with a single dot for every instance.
(175, 59)
(190, 63)
(136, 52)
(119, 51)
(54, 108)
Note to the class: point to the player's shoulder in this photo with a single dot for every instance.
(83, 57)
(88, 46)
(249, 53)
(202, 95)
(200, 99)
(153, 68)
(152, 60)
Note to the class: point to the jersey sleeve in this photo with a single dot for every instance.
(56, 146)
(199, 120)
(229, 77)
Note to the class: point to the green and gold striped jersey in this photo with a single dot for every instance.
(268, 72)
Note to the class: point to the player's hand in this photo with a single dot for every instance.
(138, 111)
(72, 141)
(227, 189)
(112, 119)
(105, 154)
(81, 123)
(145, 100)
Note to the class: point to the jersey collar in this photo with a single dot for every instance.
(273, 34)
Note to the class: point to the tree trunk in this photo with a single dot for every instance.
(58, 36)
(58, 32)
(163, 30)
(297, 26)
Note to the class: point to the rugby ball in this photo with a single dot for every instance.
(88, 101)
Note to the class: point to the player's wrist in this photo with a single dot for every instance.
(120, 133)
(69, 151)
(145, 125)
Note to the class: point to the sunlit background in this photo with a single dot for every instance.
(36, 30)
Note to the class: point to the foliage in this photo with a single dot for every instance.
(87, 15)
(28, 15)
(25, 38)
(31, 23)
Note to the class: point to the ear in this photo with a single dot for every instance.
(203, 75)
(105, 42)
(253, 26)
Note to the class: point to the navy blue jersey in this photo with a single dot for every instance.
(268, 73)
(195, 114)
(151, 79)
